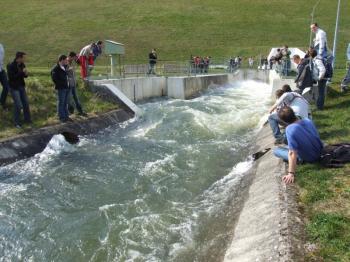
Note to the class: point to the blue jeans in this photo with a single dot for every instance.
(20, 101)
(321, 84)
(5, 87)
(151, 69)
(274, 122)
(62, 104)
(282, 152)
(73, 94)
(345, 82)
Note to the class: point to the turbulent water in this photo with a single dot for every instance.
(165, 187)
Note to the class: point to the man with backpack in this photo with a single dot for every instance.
(304, 75)
(304, 143)
(319, 75)
(285, 97)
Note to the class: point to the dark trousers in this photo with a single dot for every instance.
(62, 104)
(20, 100)
(5, 87)
(321, 85)
(73, 96)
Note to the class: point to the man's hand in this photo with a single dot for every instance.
(288, 179)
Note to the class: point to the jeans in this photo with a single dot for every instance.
(62, 104)
(5, 87)
(20, 101)
(346, 81)
(151, 69)
(73, 95)
(282, 152)
(274, 122)
(321, 84)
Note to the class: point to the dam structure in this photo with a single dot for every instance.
(175, 183)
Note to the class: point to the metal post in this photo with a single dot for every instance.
(113, 63)
(336, 35)
(312, 19)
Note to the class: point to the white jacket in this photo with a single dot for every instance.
(320, 41)
(318, 69)
(86, 51)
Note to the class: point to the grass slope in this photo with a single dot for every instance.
(325, 193)
(220, 28)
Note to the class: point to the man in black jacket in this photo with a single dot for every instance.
(152, 61)
(304, 76)
(60, 78)
(16, 72)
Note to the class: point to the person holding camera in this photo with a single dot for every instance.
(16, 72)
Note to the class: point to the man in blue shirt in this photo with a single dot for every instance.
(304, 143)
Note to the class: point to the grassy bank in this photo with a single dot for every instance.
(325, 193)
(219, 28)
(42, 101)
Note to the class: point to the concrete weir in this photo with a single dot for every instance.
(178, 87)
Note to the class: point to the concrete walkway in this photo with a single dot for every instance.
(269, 226)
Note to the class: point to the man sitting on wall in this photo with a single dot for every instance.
(304, 143)
(285, 97)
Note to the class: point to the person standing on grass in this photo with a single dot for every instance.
(3, 79)
(304, 75)
(304, 143)
(152, 61)
(320, 41)
(86, 60)
(97, 49)
(319, 72)
(17, 71)
(59, 76)
(72, 57)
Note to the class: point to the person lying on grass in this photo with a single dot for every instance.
(304, 143)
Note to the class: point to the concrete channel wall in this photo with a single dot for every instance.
(182, 87)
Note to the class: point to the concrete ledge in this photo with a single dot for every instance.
(270, 226)
(27, 145)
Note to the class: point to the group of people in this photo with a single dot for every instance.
(64, 78)
(281, 61)
(199, 65)
(291, 109)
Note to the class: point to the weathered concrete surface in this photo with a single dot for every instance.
(185, 87)
(269, 227)
(29, 144)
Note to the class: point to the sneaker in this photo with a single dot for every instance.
(18, 126)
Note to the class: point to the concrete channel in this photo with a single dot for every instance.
(269, 227)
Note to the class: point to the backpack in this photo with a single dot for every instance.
(336, 155)
(327, 62)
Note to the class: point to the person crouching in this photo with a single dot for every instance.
(304, 143)
(60, 78)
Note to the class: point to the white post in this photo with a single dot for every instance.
(312, 20)
(336, 35)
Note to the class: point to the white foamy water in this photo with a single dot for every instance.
(165, 187)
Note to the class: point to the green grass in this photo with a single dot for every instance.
(220, 28)
(325, 193)
(42, 101)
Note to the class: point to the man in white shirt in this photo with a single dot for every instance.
(320, 41)
(3, 79)
(319, 72)
(285, 97)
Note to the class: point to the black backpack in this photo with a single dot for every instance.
(329, 67)
(336, 155)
